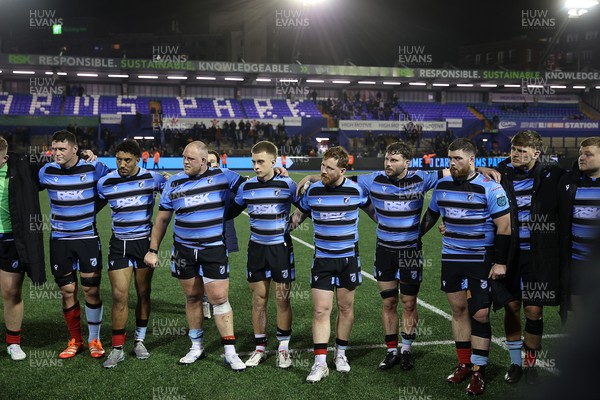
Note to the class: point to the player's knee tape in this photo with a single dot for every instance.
(535, 327)
(90, 282)
(482, 330)
(65, 280)
(409, 290)
(388, 293)
(222, 308)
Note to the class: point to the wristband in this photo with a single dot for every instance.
(153, 251)
(501, 249)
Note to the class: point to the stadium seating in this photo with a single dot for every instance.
(25, 104)
(437, 111)
(267, 108)
(221, 108)
(191, 107)
(555, 112)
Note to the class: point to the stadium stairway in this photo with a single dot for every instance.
(476, 113)
(589, 111)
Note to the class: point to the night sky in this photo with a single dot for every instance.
(364, 32)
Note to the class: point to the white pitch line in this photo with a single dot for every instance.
(431, 308)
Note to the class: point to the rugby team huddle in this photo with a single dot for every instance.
(517, 237)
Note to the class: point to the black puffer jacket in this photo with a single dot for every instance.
(26, 217)
(544, 226)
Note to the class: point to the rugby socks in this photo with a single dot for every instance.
(407, 341)
(73, 319)
(463, 351)
(284, 338)
(391, 342)
(13, 337)
(533, 328)
(93, 314)
(228, 343)
(197, 337)
(118, 338)
(514, 350)
(341, 346)
(479, 359)
(260, 341)
(141, 325)
(320, 350)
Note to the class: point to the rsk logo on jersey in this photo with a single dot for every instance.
(70, 195)
(264, 209)
(332, 215)
(396, 205)
(130, 201)
(196, 200)
(586, 212)
(456, 213)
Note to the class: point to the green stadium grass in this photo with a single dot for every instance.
(43, 376)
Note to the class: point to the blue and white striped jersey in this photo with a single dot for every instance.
(398, 205)
(467, 209)
(523, 184)
(586, 218)
(72, 194)
(199, 204)
(269, 206)
(334, 212)
(131, 200)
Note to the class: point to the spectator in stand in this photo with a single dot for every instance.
(482, 151)
(495, 151)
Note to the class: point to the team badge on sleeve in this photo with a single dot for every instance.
(501, 200)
